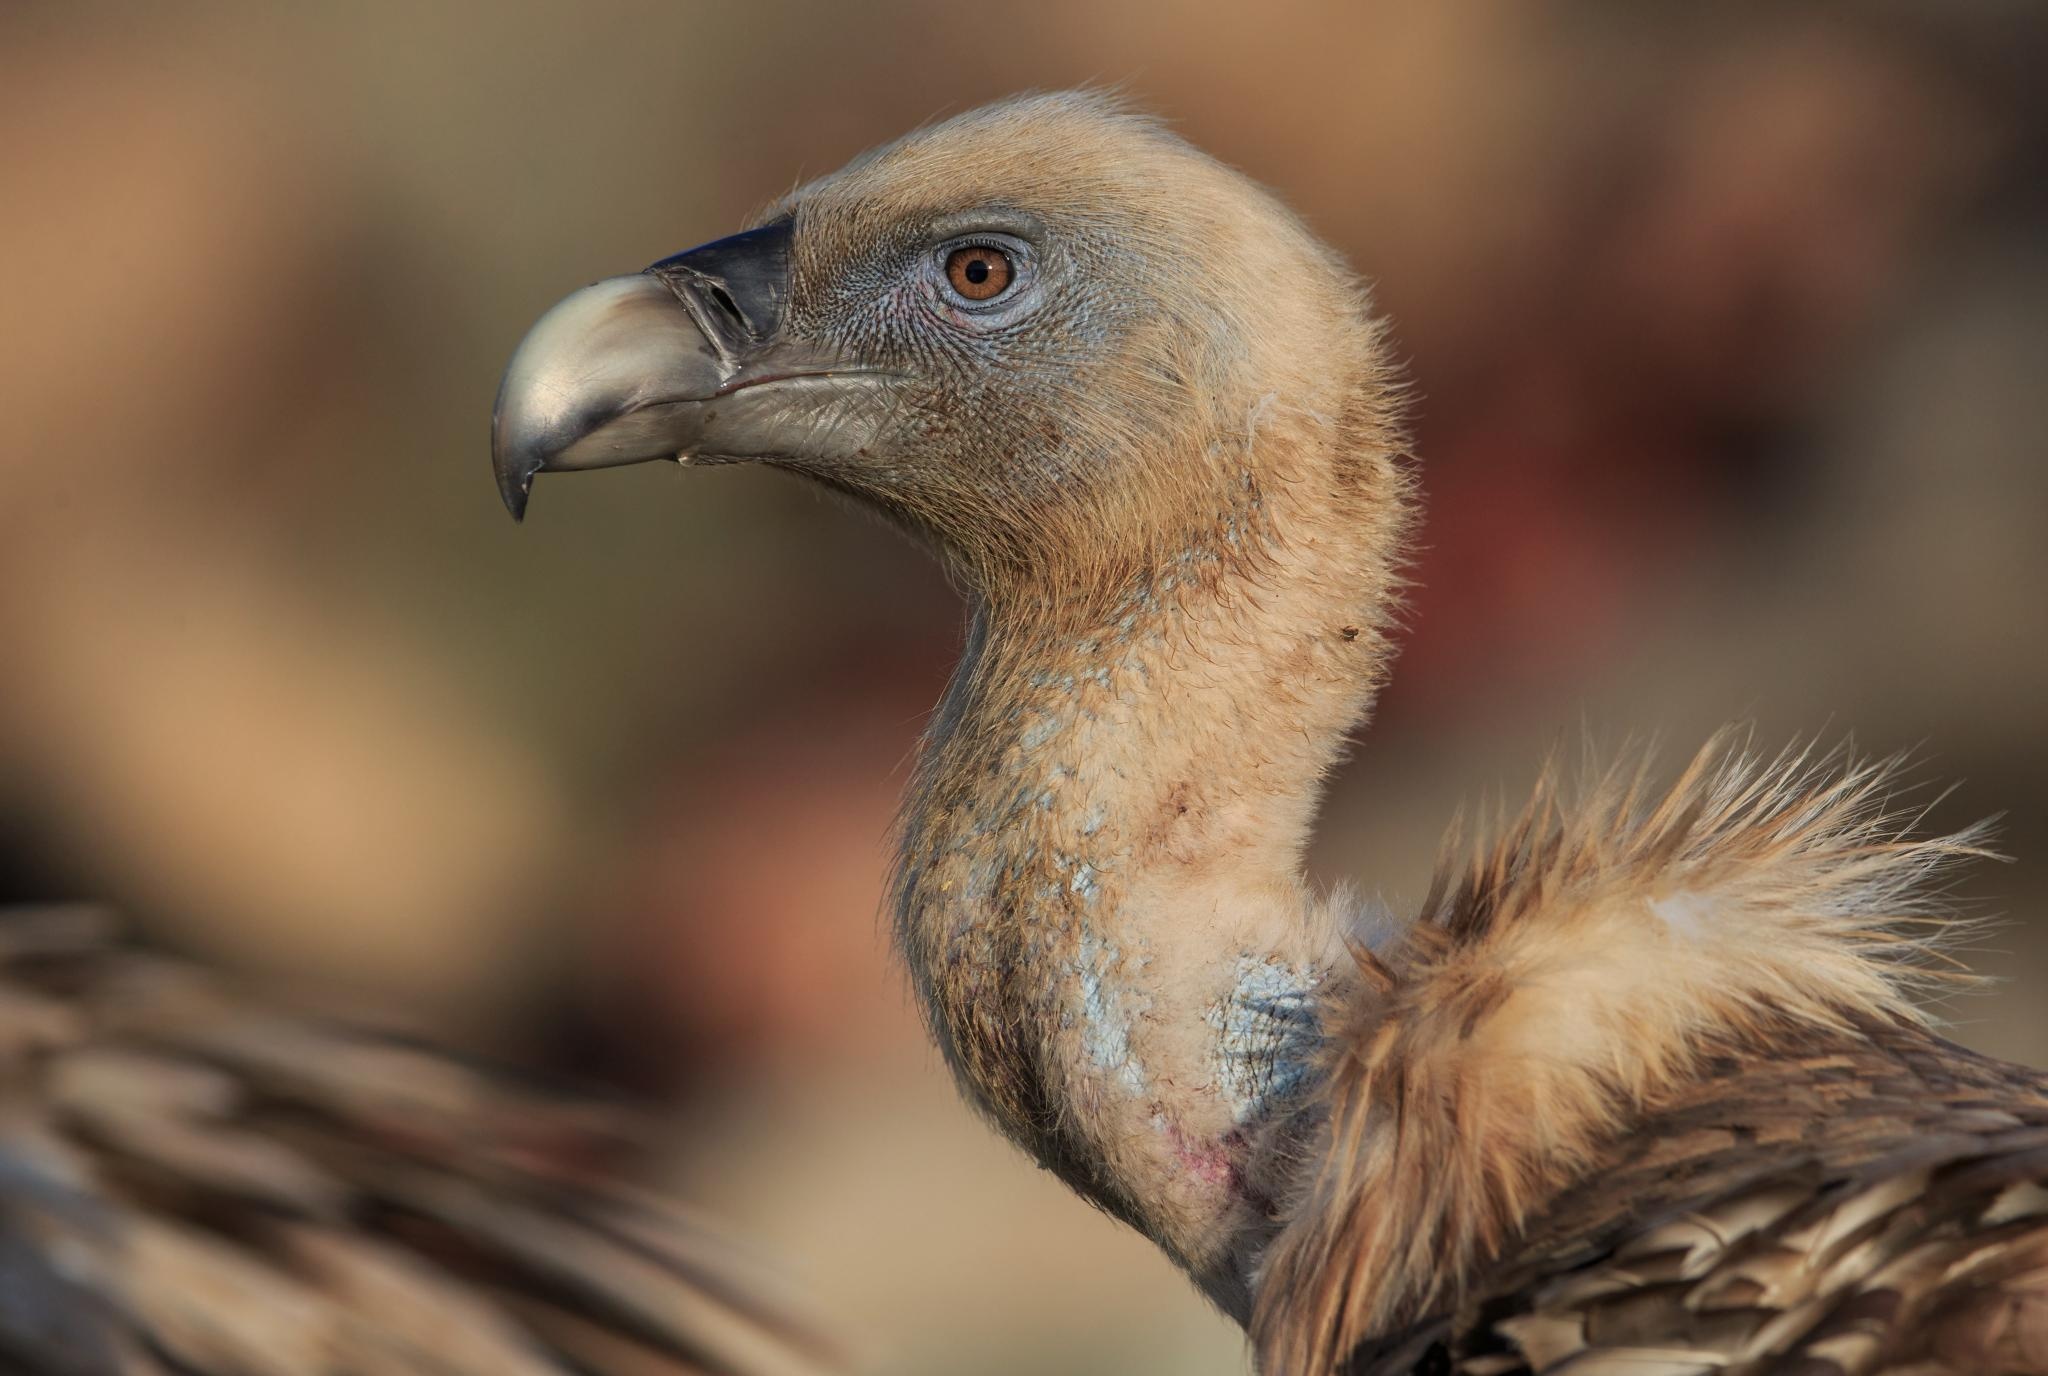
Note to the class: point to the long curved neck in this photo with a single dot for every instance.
(1100, 893)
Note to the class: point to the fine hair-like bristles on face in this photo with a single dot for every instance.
(1094, 412)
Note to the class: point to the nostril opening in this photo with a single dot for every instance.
(724, 302)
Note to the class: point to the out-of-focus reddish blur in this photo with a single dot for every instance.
(1726, 327)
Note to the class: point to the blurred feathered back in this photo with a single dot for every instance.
(193, 1180)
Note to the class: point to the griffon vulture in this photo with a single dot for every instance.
(1642, 1088)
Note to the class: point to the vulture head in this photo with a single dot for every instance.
(1037, 334)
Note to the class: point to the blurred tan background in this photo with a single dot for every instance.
(1728, 327)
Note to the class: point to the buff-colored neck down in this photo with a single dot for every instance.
(1101, 895)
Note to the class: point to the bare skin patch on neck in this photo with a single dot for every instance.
(1267, 1031)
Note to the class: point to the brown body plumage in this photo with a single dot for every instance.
(195, 1181)
(1643, 1090)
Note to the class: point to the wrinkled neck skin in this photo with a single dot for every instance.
(1101, 892)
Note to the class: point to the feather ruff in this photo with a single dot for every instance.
(1566, 979)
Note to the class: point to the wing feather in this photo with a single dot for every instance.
(1647, 1090)
(196, 1182)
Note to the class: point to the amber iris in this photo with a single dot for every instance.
(978, 272)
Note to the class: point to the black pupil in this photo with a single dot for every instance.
(977, 270)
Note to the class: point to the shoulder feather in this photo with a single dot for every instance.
(1565, 979)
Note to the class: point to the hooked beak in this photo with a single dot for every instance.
(686, 360)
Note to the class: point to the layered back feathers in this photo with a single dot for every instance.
(1564, 982)
(195, 1181)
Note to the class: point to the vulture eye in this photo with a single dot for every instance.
(979, 272)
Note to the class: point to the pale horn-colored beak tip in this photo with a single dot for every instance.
(587, 386)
